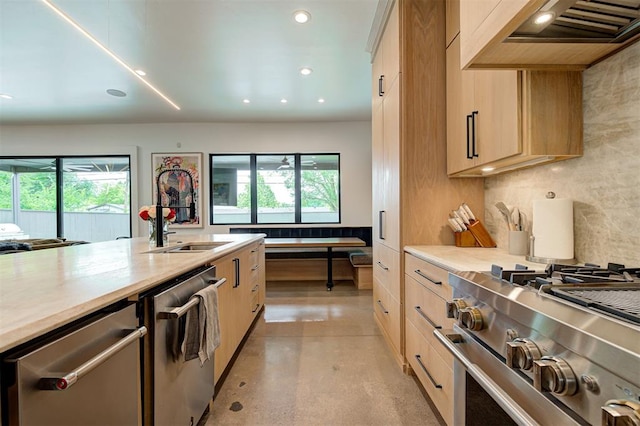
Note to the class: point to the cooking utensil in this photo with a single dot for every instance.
(502, 208)
(515, 219)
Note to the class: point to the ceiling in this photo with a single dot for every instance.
(206, 56)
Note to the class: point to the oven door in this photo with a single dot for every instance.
(487, 391)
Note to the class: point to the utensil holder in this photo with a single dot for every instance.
(519, 243)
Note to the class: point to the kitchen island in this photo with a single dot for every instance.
(71, 317)
(46, 289)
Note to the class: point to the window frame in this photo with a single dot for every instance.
(253, 157)
(59, 173)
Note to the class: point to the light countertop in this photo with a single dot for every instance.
(42, 290)
(477, 259)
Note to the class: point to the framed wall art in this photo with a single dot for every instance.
(178, 177)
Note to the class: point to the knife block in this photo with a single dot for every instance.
(465, 239)
(476, 235)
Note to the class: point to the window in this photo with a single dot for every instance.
(77, 198)
(275, 188)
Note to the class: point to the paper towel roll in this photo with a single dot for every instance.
(553, 228)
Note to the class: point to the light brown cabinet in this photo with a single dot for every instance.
(501, 120)
(412, 194)
(426, 293)
(240, 300)
(485, 26)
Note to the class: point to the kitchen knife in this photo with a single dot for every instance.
(469, 212)
(462, 214)
(454, 225)
(460, 223)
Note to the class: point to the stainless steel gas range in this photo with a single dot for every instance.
(556, 346)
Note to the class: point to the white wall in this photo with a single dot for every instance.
(351, 139)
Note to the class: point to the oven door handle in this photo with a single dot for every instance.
(450, 339)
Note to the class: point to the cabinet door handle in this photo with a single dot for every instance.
(380, 264)
(236, 265)
(433, 382)
(425, 276)
(380, 224)
(426, 318)
(382, 307)
(67, 380)
(469, 154)
(473, 133)
(380, 91)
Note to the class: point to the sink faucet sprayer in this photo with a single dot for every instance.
(191, 206)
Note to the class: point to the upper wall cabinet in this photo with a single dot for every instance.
(503, 33)
(502, 120)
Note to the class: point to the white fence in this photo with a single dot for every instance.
(89, 226)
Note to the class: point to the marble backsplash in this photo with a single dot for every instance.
(604, 183)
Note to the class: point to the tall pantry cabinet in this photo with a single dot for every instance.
(412, 194)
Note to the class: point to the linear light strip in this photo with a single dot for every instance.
(109, 52)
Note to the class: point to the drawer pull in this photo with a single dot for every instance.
(426, 318)
(380, 264)
(255, 268)
(433, 382)
(66, 381)
(254, 289)
(426, 277)
(257, 306)
(382, 307)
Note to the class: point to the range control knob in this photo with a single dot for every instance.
(553, 374)
(521, 353)
(621, 413)
(471, 318)
(453, 308)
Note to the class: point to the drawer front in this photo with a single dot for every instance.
(429, 275)
(434, 373)
(386, 268)
(426, 311)
(387, 311)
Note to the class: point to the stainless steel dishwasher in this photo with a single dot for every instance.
(88, 373)
(176, 392)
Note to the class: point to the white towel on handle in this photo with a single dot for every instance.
(202, 329)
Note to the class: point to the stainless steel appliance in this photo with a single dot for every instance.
(580, 21)
(176, 392)
(88, 373)
(556, 346)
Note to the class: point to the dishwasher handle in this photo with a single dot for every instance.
(176, 313)
(67, 380)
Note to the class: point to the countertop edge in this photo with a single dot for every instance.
(16, 336)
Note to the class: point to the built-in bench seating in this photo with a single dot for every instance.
(310, 263)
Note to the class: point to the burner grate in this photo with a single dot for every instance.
(623, 302)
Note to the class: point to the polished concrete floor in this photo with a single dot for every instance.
(317, 358)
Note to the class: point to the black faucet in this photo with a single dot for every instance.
(191, 206)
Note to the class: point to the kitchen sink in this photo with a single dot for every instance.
(196, 247)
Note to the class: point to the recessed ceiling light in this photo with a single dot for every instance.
(321, 100)
(301, 16)
(305, 70)
(5, 96)
(246, 101)
(543, 18)
(115, 57)
(117, 93)
(283, 100)
(141, 72)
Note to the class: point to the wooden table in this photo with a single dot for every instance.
(329, 243)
